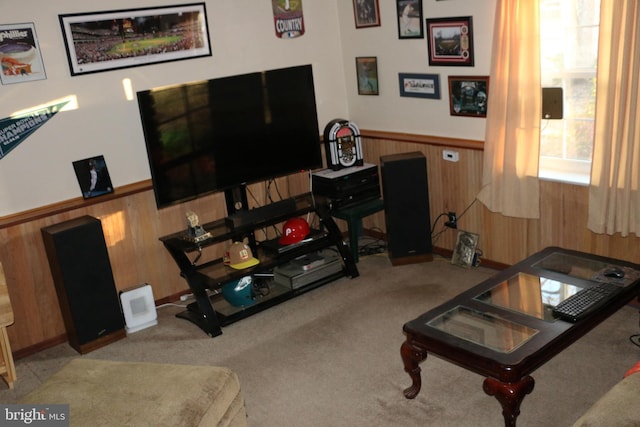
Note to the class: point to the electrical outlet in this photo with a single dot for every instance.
(450, 155)
(453, 220)
(185, 297)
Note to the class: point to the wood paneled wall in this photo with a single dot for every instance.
(454, 185)
(132, 226)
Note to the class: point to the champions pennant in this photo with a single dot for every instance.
(14, 130)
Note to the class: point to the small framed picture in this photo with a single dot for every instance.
(409, 19)
(366, 13)
(419, 85)
(20, 54)
(367, 74)
(468, 95)
(93, 177)
(465, 249)
(450, 41)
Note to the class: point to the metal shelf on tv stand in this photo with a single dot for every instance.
(208, 312)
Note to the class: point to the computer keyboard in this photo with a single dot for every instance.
(581, 303)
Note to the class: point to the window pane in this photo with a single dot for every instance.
(569, 48)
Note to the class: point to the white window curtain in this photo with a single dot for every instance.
(510, 182)
(614, 201)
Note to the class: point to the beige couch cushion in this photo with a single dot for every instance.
(107, 393)
(618, 407)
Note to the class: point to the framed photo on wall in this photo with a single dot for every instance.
(450, 41)
(93, 177)
(20, 54)
(103, 41)
(419, 85)
(367, 74)
(409, 19)
(366, 13)
(468, 95)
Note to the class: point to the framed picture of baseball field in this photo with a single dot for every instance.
(450, 41)
(103, 41)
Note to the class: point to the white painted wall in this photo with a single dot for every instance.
(389, 111)
(39, 172)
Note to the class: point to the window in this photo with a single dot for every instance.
(569, 53)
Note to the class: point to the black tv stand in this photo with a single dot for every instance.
(279, 209)
(210, 312)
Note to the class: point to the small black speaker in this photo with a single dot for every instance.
(81, 270)
(551, 102)
(406, 204)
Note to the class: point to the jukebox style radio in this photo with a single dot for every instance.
(343, 147)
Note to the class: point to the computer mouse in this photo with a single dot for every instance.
(615, 273)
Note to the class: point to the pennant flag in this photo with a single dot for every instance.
(14, 130)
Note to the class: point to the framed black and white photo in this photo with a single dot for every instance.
(450, 41)
(419, 85)
(366, 13)
(409, 19)
(468, 95)
(103, 41)
(367, 75)
(93, 177)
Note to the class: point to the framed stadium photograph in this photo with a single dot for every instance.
(103, 41)
(450, 41)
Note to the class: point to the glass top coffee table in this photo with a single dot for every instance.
(505, 328)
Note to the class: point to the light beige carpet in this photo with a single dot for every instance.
(332, 357)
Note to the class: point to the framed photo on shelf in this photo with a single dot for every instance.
(468, 95)
(409, 19)
(419, 85)
(93, 177)
(367, 74)
(103, 41)
(366, 13)
(450, 41)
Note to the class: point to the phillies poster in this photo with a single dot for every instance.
(20, 54)
(287, 18)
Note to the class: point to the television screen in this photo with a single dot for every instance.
(217, 134)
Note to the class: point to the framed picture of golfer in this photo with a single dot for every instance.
(110, 40)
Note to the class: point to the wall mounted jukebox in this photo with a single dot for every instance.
(343, 147)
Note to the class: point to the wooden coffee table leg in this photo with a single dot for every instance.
(411, 357)
(510, 396)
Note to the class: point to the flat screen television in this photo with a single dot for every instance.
(215, 135)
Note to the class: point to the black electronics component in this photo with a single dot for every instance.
(349, 186)
(86, 290)
(406, 205)
(215, 135)
(252, 216)
(584, 301)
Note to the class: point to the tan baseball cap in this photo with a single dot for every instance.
(240, 256)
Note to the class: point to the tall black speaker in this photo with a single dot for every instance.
(84, 283)
(406, 204)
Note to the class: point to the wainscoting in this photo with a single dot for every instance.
(132, 226)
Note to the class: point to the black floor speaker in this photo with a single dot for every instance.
(406, 204)
(81, 270)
